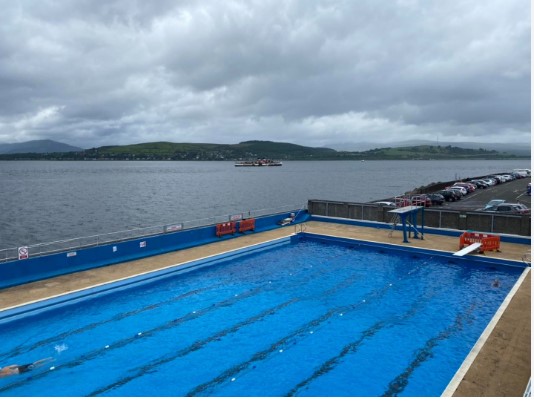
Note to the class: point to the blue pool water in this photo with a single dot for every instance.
(307, 317)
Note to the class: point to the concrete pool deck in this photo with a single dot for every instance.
(502, 366)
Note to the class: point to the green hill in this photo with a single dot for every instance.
(427, 152)
(200, 151)
(258, 149)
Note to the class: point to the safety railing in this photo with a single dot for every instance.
(14, 253)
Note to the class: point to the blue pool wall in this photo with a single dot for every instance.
(28, 310)
(42, 306)
(19, 272)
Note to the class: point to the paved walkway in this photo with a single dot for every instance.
(501, 368)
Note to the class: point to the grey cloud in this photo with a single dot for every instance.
(314, 72)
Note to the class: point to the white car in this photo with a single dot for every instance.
(522, 172)
(386, 203)
(489, 181)
(461, 189)
(508, 177)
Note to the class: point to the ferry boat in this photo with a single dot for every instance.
(258, 162)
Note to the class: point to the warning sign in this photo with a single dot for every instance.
(23, 253)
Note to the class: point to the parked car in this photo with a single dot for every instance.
(437, 199)
(421, 200)
(402, 201)
(492, 204)
(498, 179)
(385, 203)
(458, 193)
(509, 208)
(449, 195)
(468, 186)
(522, 172)
(528, 189)
(480, 183)
(491, 181)
(461, 189)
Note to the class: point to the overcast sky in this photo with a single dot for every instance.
(310, 72)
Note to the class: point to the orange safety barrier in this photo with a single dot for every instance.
(225, 228)
(247, 224)
(489, 242)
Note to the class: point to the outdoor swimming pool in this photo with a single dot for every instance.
(306, 316)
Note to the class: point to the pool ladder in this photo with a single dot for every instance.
(393, 223)
(526, 258)
(300, 227)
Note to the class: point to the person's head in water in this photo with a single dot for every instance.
(15, 369)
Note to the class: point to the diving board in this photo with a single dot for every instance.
(468, 249)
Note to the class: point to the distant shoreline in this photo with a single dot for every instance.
(252, 150)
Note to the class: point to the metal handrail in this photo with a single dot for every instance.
(77, 243)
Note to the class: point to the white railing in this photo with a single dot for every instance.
(77, 243)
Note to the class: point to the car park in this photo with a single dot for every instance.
(509, 208)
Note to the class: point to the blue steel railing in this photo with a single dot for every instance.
(35, 250)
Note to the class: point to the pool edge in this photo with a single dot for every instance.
(479, 344)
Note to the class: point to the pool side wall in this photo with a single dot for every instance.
(41, 306)
(19, 272)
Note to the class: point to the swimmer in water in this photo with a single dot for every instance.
(496, 283)
(15, 369)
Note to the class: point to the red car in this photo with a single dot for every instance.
(402, 201)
